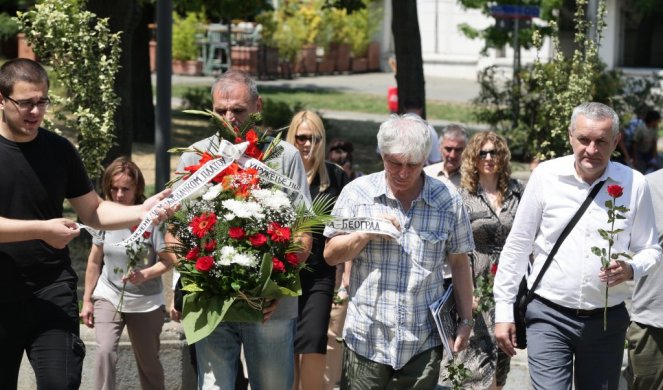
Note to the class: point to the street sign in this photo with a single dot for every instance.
(511, 11)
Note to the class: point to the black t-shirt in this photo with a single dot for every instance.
(35, 178)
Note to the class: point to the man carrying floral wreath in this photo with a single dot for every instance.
(268, 346)
(391, 337)
(577, 321)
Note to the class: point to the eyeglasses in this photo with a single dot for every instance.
(28, 105)
(483, 154)
(450, 149)
(303, 138)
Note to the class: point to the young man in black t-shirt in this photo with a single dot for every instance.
(38, 170)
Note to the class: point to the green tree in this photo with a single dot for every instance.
(496, 37)
(549, 91)
(85, 56)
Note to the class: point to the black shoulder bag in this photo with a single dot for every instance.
(525, 296)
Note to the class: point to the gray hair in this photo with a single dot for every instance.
(407, 135)
(596, 112)
(453, 131)
(234, 77)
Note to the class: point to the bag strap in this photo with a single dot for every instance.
(560, 240)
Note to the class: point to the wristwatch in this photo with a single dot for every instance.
(469, 322)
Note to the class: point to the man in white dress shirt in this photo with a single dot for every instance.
(452, 144)
(565, 329)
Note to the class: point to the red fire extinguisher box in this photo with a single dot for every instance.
(392, 99)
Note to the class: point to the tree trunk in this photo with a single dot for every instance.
(124, 16)
(143, 106)
(409, 61)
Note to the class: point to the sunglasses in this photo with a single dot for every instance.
(304, 138)
(483, 154)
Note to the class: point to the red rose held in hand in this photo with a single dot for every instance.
(205, 263)
(615, 190)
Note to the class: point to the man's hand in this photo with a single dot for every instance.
(269, 310)
(617, 272)
(175, 315)
(505, 334)
(58, 232)
(163, 212)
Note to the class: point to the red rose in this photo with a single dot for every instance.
(278, 233)
(258, 239)
(210, 245)
(236, 233)
(277, 265)
(193, 254)
(493, 269)
(205, 263)
(292, 259)
(202, 224)
(615, 190)
(133, 228)
(147, 235)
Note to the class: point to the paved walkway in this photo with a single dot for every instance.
(437, 88)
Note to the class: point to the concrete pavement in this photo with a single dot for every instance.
(437, 88)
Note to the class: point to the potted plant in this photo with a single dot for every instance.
(185, 47)
(362, 24)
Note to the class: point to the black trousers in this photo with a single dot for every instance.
(46, 327)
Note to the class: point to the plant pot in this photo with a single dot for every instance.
(342, 52)
(307, 60)
(374, 56)
(359, 65)
(24, 49)
(187, 67)
(326, 65)
(244, 58)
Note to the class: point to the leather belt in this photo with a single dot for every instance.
(576, 312)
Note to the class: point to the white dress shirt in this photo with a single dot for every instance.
(552, 196)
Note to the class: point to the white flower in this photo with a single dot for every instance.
(245, 260)
(211, 193)
(244, 209)
(275, 200)
(226, 256)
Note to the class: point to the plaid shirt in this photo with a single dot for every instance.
(393, 282)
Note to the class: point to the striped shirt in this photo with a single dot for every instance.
(393, 282)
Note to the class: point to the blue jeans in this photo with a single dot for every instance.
(268, 351)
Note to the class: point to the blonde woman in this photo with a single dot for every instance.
(490, 197)
(307, 134)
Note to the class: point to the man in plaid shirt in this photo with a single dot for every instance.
(390, 335)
